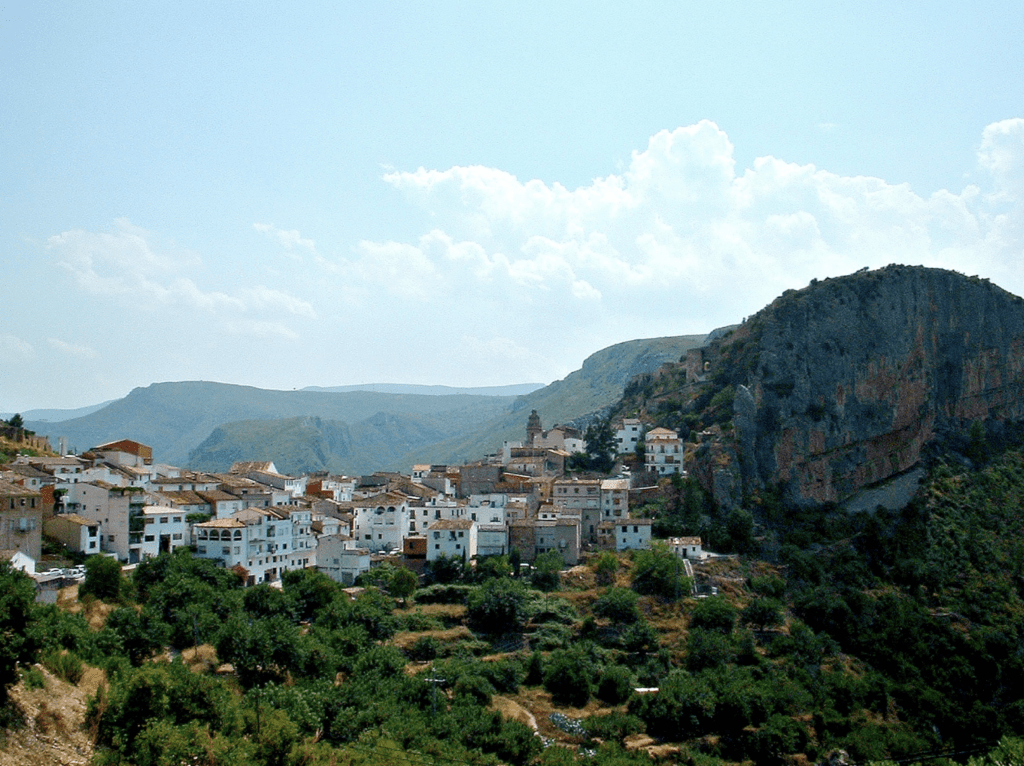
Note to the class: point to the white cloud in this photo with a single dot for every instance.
(72, 349)
(127, 264)
(13, 346)
(291, 240)
(682, 235)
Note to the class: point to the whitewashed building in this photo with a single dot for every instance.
(164, 529)
(452, 538)
(663, 452)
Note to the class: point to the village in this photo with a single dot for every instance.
(115, 501)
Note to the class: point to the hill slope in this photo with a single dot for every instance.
(842, 384)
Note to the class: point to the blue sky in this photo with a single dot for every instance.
(475, 193)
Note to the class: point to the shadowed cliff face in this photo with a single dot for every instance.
(843, 383)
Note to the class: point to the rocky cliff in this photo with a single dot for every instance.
(842, 384)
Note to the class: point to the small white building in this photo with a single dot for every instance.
(628, 434)
(79, 534)
(492, 539)
(633, 534)
(452, 538)
(338, 557)
(19, 560)
(614, 499)
(164, 529)
(663, 452)
(686, 547)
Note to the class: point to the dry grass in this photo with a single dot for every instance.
(449, 612)
(54, 716)
(200, 659)
(537, 702)
(407, 639)
(513, 711)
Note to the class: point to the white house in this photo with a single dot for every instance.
(79, 534)
(257, 540)
(686, 547)
(380, 522)
(633, 534)
(614, 499)
(628, 434)
(303, 543)
(491, 539)
(19, 560)
(338, 557)
(663, 452)
(164, 529)
(453, 538)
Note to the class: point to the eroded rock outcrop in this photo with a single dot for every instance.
(843, 383)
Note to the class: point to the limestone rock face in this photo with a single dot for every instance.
(843, 383)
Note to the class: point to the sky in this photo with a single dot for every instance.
(472, 194)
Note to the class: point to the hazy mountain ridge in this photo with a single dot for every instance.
(515, 389)
(368, 430)
(174, 418)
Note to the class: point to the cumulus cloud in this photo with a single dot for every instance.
(129, 264)
(681, 232)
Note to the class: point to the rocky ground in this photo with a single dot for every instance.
(52, 731)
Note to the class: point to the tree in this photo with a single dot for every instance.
(715, 613)
(17, 605)
(446, 569)
(16, 421)
(309, 590)
(569, 676)
(658, 572)
(498, 605)
(547, 570)
(618, 605)
(102, 578)
(605, 567)
(600, 448)
(762, 613)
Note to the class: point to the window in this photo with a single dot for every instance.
(150, 538)
(176, 536)
(163, 519)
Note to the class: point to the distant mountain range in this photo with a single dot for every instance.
(519, 389)
(57, 416)
(354, 430)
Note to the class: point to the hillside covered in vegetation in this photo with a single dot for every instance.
(885, 635)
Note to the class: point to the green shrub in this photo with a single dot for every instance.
(33, 677)
(569, 676)
(618, 605)
(498, 605)
(715, 613)
(615, 686)
(426, 648)
(64, 664)
(443, 593)
(613, 726)
(547, 572)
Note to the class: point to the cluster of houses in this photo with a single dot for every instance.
(115, 500)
